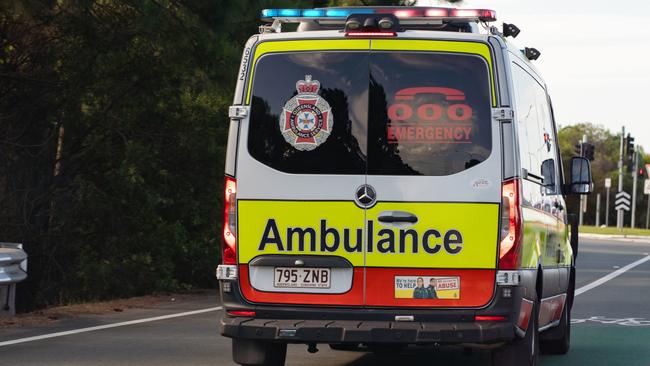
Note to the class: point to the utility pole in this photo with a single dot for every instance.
(646, 191)
(619, 213)
(598, 210)
(647, 213)
(608, 184)
(582, 196)
(636, 174)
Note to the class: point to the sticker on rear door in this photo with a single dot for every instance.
(306, 120)
(427, 287)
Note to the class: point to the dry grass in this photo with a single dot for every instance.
(53, 314)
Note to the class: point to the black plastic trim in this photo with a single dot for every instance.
(309, 261)
(324, 331)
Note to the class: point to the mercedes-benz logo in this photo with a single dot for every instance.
(365, 196)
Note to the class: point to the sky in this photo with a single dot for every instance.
(595, 57)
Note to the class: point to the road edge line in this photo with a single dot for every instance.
(107, 326)
(611, 276)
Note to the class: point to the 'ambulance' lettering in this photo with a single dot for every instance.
(329, 240)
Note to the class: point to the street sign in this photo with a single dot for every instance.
(646, 186)
(622, 201)
(608, 182)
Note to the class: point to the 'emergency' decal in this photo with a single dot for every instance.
(425, 287)
(306, 120)
(429, 115)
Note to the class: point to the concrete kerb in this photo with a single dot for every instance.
(632, 238)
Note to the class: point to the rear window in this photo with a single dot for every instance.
(377, 113)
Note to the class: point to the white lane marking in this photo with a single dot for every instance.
(107, 326)
(628, 322)
(611, 276)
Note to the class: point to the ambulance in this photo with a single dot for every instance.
(394, 179)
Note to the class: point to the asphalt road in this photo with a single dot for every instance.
(611, 327)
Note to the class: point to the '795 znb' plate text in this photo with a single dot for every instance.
(287, 277)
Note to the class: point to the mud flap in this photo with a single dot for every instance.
(253, 352)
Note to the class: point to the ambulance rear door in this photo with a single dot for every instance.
(435, 168)
(301, 158)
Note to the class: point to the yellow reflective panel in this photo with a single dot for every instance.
(446, 235)
(299, 227)
(303, 45)
(474, 48)
(535, 245)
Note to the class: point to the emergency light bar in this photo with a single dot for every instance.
(401, 12)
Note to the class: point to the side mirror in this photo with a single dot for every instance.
(580, 176)
(548, 173)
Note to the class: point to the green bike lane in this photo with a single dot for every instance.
(611, 322)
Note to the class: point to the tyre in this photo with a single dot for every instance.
(522, 351)
(257, 353)
(557, 341)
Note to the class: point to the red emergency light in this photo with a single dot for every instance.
(401, 12)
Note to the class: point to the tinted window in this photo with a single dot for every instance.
(375, 113)
(429, 113)
(343, 85)
(535, 129)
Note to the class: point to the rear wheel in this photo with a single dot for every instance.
(522, 351)
(557, 341)
(248, 352)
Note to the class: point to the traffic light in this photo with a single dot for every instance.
(629, 146)
(589, 150)
(641, 173)
(578, 149)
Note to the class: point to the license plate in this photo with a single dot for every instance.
(291, 277)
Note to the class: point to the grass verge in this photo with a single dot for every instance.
(613, 231)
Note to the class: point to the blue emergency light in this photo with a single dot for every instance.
(483, 15)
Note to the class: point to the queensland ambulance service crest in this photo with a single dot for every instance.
(306, 120)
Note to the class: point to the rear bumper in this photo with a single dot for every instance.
(368, 332)
(345, 324)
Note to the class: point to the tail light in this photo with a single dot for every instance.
(242, 313)
(510, 238)
(229, 254)
(489, 318)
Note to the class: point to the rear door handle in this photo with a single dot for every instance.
(397, 217)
